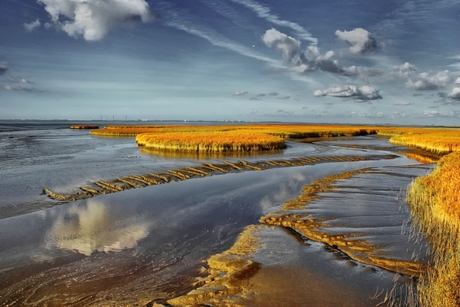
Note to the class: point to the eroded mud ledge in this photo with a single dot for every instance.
(205, 169)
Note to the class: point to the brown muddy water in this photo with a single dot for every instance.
(142, 247)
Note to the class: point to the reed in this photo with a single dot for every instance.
(231, 138)
(435, 210)
(441, 141)
(210, 141)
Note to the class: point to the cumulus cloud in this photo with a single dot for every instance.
(360, 40)
(240, 93)
(255, 98)
(425, 81)
(273, 94)
(362, 93)
(32, 26)
(455, 93)
(92, 19)
(403, 71)
(311, 60)
(282, 43)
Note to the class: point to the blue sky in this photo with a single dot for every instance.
(340, 61)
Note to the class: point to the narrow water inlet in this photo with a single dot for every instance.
(359, 218)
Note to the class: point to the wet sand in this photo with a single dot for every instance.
(145, 245)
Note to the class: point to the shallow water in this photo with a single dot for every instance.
(140, 245)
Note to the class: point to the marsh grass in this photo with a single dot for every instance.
(441, 141)
(435, 209)
(231, 138)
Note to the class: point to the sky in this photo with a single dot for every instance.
(355, 61)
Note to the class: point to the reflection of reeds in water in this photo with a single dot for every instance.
(421, 157)
(205, 169)
(435, 209)
(200, 155)
(91, 228)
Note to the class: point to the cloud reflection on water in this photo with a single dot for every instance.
(94, 227)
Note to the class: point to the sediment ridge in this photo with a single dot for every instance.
(205, 169)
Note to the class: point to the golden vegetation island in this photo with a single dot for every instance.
(228, 138)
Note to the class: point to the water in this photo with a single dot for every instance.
(140, 245)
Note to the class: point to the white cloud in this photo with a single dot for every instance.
(360, 40)
(314, 54)
(455, 93)
(362, 93)
(320, 93)
(426, 81)
(92, 19)
(240, 93)
(312, 59)
(403, 71)
(288, 46)
(32, 26)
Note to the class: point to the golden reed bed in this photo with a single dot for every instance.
(436, 140)
(231, 138)
(435, 207)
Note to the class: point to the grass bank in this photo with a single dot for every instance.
(435, 208)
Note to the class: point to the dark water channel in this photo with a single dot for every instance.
(135, 246)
